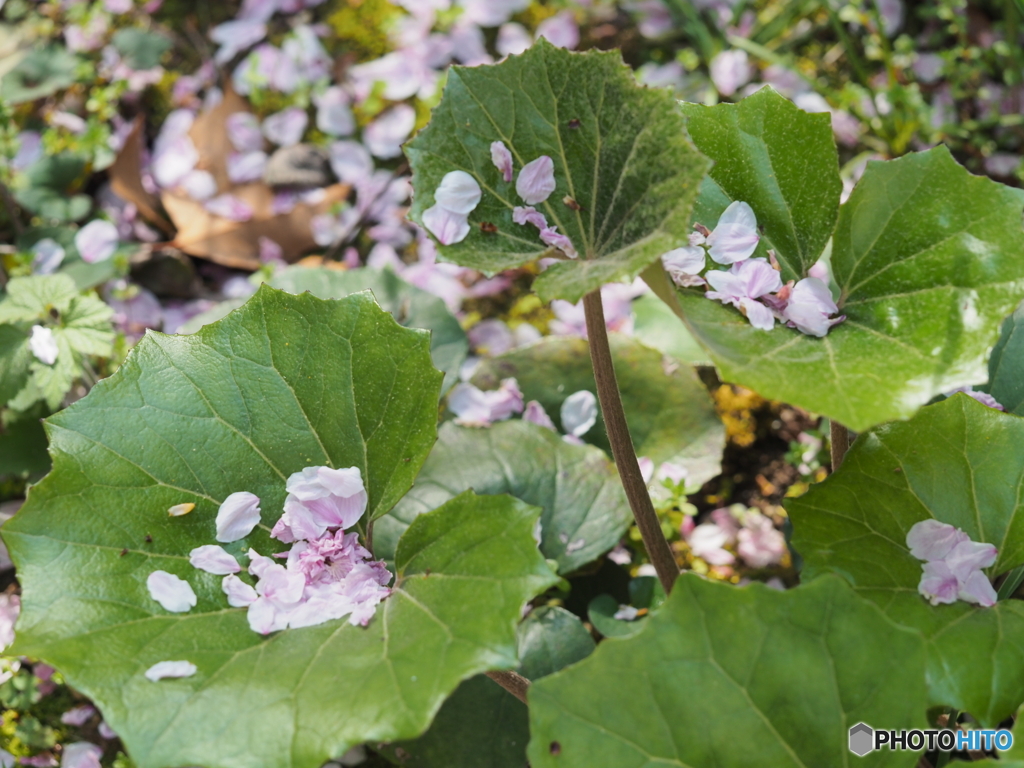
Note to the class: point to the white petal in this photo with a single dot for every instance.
(237, 516)
(458, 192)
(173, 594)
(579, 412)
(43, 345)
(213, 559)
(163, 669)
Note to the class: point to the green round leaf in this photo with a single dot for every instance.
(732, 676)
(550, 639)
(284, 383)
(670, 415)
(585, 508)
(140, 48)
(620, 152)
(658, 327)
(601, 612)
(928, 259)
(958, 462)
(779, 159)
(483, 725)
(42, 72)
(410, 306)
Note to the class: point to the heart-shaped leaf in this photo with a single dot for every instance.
(585, 508)
(721, 675)
(928, 261)
(668, 410)
(409, 305)
(625, 173)
(779, 159)
(958, 462)
(482, 724)
(1006, 365)
(283, 383)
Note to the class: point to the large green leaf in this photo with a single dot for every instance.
(657, 326)
(1006, 365)
(779, 159)
(585, 508)
(959, 462)
(23, 448)
(928, 259)
(283, 383)
(668, 410)
(619, 150)
(483, 726)
(410, 306)
(43, 71)
(731, 676)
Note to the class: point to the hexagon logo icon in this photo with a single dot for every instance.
(862, 738)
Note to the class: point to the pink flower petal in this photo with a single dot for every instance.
(502, 159)
(286, 127)
(932, 540)
(536, 414)
(213, 559)
(536, 180)
(239, 593)
(449, 228)
(97, 241)
(244, 133)
(237, 516)
(458, 192)
(173, 594)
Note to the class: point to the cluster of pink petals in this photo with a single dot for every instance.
(757, 541)
(953, 564)
(982, 397)
(475, 408)
(751, 285)
(328, 575)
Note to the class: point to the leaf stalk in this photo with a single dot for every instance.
(622, 445)
(839, 441)
(512, 682)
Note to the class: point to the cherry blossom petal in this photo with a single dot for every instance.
(976, 588)
(932, 540)
(97, 241)
(550, 236)
(560, 30)
(938, 584)
(213, 559)
(286, 127)
(43, 345)
(384, 136)
(449, 228)
(237, 516)
(682, 264)
(243, 168)
(199, 185)
(458, 192)
(536, 180)
(173, 594)
(229, 207)
(758, 314)
(239, 593)
(536, 414)
(350, 161)
(502, 159)
(81, 754)
(48, 255)
(164, 669)
(78, 716)
(579, 412)
(529, 215)
(244, 132)
(512, 39)
(969, 556)
(735, 237)
(333, 114)
(810, 306)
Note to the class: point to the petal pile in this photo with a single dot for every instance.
(953, 564)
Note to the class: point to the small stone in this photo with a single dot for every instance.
(301, 165)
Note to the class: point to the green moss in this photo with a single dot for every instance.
(362, 26)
